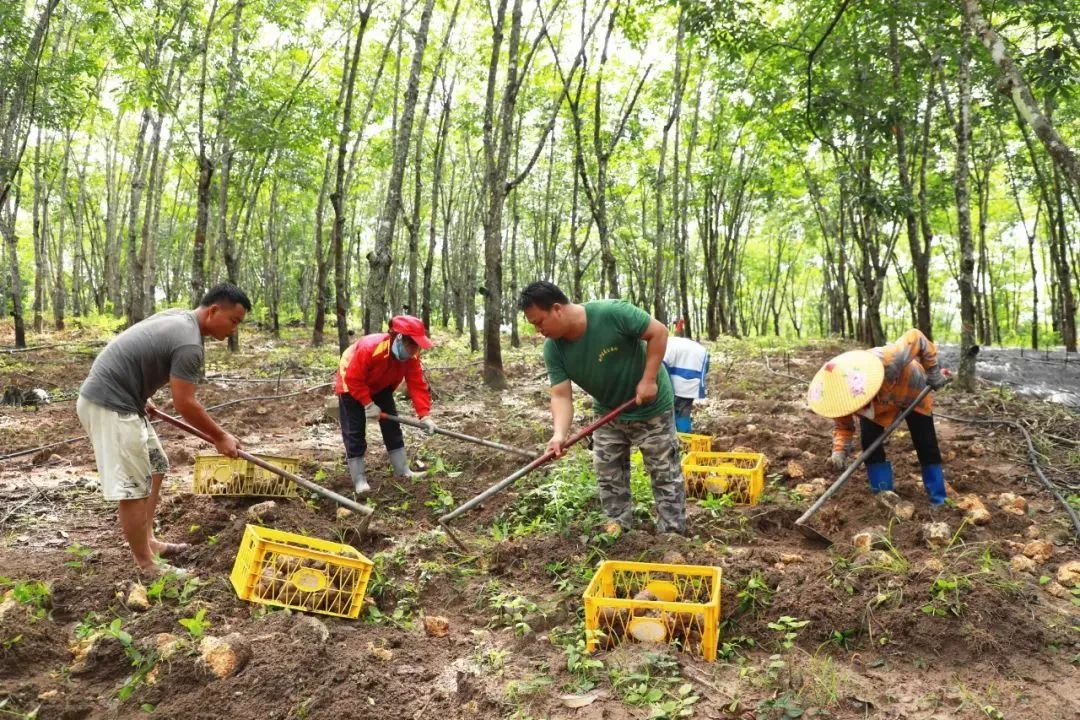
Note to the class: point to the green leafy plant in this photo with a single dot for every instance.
(755, 594)
(946, 596)
(789, 628)
(567, 495)
(492, 659)
(442, 499)
(142, 660)
(32, 593)
(842, 638)
(732, 644)
(648, 683)
(396, 599)
(512, 611)
(196, 626)
(170, 586)
(88, 625)
(715, 505)
(583, 666)
(680, 704)
(516, 689)
(79, 555)
(786, 706)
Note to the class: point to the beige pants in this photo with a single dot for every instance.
(126, 448)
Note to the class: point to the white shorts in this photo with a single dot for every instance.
(126, 448)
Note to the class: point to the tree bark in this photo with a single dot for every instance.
(678, 84)
(922, 292)
(206, 173)
(966, 375)
(596, 189)
(227, 239)
(1012, 84)
(433, 218)
(921, 259)
(40, 221)
(379, 259)
(337, 198)
(321, 261)
(138, 184)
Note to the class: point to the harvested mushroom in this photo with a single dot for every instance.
(648, 629)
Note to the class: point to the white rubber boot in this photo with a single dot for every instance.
(359, 476)
(400, 463)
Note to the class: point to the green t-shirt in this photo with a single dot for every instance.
(609, 359)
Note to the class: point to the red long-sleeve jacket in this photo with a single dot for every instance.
(368, 367)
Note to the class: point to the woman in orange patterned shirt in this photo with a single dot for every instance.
(876, 385)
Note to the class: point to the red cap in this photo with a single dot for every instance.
(412, 327)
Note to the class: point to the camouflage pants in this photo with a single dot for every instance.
(660, 449)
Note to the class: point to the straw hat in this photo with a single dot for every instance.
(845, 384)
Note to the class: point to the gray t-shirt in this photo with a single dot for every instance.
(141, 359)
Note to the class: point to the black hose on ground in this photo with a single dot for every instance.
(28, 451)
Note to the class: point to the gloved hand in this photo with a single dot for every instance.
(371, 410)
(838, 460)
(935, 378)
(429, 425)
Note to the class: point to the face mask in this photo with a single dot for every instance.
(398, 349)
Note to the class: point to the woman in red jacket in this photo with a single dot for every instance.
(368, 373)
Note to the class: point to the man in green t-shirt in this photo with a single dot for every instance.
(599, 346)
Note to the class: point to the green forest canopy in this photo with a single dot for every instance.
(791, 168)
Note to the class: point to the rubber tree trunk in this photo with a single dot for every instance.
(1012, 84)
(380, 257)
(922, 291)
(321, 261)
(337, 198)
(966, 374)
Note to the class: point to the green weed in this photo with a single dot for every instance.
(567, 495)
(169, 586)
(755, 594)
(79, 555)
(32, 593)
(142, 661)
(442, 499)
(196, 626)
(584, 667)
(946, 596)
(512, 611)
(789, 628)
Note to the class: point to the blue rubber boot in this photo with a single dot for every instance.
(881, 476)
(682, 423)
(934, 481)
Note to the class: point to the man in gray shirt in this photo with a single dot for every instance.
(164, 348)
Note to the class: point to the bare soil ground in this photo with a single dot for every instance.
(907, 632)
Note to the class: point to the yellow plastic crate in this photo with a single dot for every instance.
(219, 475)
(739, 474)
(294, 571)
(685, 611)
(695, 443)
